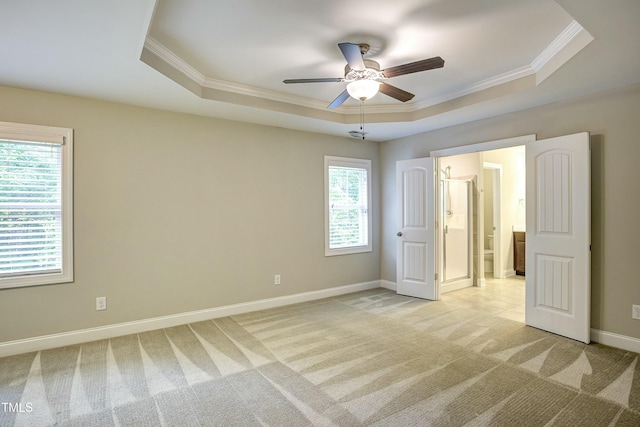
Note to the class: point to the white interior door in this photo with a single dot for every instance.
(416, 255)
(558, 258)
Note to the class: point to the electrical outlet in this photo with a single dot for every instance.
(101, 303)
(635, 312)
(276, 281)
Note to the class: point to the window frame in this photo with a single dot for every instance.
(28, 133)
(350, 163)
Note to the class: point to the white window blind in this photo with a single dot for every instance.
(347, 189)
(35, 217)
(30, 208)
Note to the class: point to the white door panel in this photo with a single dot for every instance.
(558, 259)
(416, 238)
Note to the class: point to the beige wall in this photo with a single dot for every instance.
(175, 213)
(612, 120)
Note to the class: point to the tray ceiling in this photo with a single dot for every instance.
(228, 58)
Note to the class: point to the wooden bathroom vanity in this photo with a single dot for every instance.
(519, 250)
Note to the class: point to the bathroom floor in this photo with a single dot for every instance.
(501, 297)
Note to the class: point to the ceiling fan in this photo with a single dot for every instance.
(363, 75)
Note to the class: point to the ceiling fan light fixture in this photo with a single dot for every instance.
(363, 89)
(365, 79)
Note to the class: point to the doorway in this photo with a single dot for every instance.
(498, 186)
(499, 292)
(492, 214)
(557, 177)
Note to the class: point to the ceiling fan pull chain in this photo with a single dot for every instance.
(362, 118)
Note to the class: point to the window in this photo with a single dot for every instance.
(35, 205)
(347, 188)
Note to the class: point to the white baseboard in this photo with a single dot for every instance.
(460, 284)
(44, 342)
(509, 273)
(389, 285)
(615, 340)
(606, 338)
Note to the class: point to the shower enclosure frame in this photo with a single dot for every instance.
(459, 282)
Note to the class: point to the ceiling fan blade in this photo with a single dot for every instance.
(394, 92)
(353, 55)
(339, 100)
(320, 80)
(414, 67)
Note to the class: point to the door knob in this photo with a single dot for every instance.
(399, 234)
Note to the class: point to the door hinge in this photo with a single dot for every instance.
(435, 224)
(435, 277)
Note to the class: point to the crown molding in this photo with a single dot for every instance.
(168, 56)
(164, 53)
(552, 53)
(272, 95)
(480, 86)
(573, 30)
(564, 39)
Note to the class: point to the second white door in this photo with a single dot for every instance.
(558, 255)
(415, 249)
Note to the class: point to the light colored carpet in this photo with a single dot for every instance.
(370, 358)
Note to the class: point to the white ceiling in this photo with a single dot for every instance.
(227, 58)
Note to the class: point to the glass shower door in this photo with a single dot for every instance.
(456, 229)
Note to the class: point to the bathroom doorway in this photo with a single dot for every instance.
(497, 185)
(492, 197)
(556, 176)
(497, 182)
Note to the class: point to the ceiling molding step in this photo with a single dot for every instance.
(570, 41)
(165, 62)
(162, 52)
(564, 47)
(378, 108)
(168, 56)
(480, 86)
(273, 95)
(564, 38)
(477, 97)
(163, 67)
(269, 105)
(551, 54)
(174, 61)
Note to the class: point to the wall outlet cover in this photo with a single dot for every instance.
(101, 303)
